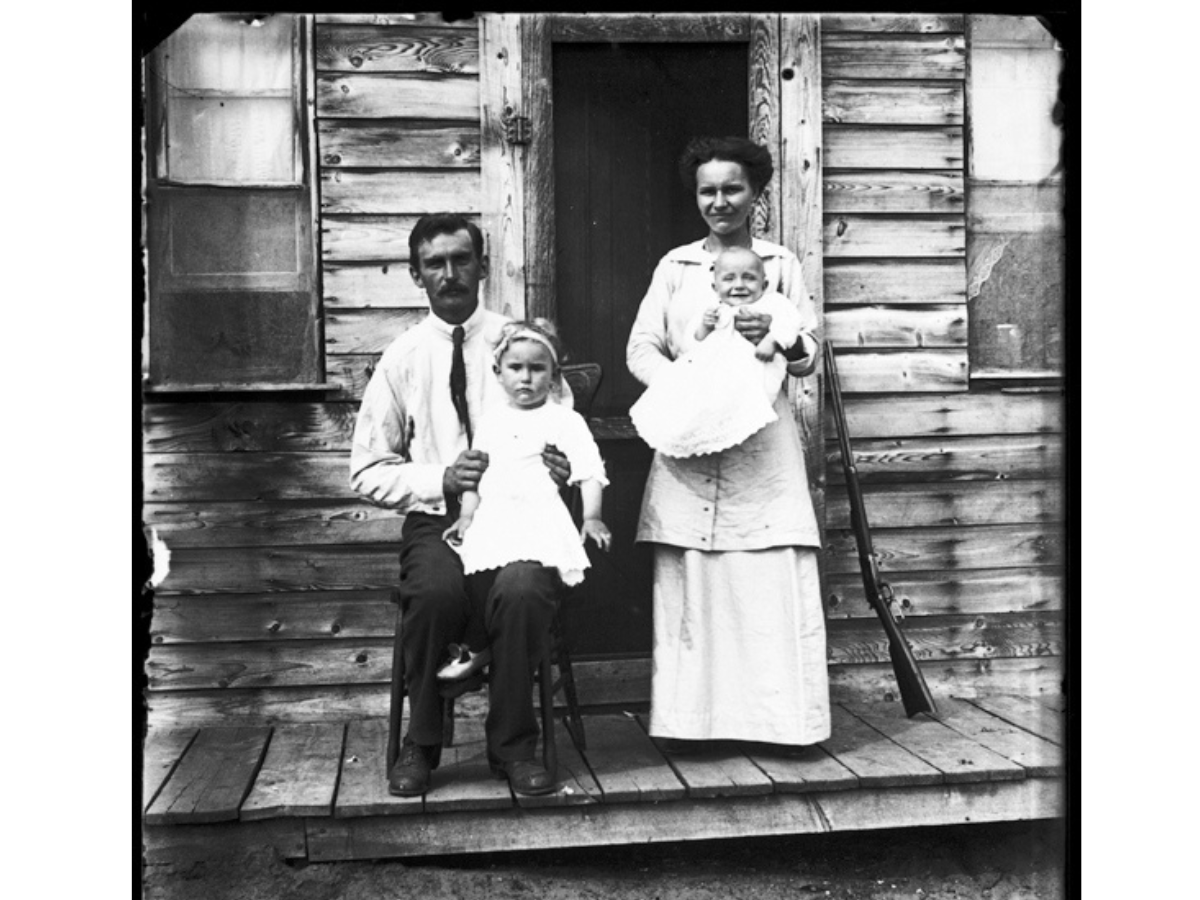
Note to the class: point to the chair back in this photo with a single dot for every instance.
(584, 379)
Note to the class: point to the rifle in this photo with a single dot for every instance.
(913, 690)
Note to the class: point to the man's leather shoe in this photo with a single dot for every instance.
(526, 776)
(410, 775)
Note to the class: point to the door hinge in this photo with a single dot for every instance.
(516, 129)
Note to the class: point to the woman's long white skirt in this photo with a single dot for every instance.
(739, 646)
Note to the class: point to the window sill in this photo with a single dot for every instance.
(249, 387)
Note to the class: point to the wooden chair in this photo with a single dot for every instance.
(584, 379)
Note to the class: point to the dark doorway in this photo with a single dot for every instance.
(622, 116)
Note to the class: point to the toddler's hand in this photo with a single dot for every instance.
(454, 534)
(766, 349)
(597, 531)
(711, 316)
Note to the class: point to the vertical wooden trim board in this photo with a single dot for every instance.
(800, 164)
(764, 118)
(501, 163)
(536, 80)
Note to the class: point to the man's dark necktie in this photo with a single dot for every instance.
(458, 382)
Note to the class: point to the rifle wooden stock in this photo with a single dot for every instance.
(913, 690)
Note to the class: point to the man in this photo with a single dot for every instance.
(411, 453)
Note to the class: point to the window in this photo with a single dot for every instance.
(230, 257)
(1015, 252)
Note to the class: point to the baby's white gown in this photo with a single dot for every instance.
(521, 515)
(718, 393)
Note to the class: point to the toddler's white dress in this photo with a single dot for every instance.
(717, 393)
(521, 515)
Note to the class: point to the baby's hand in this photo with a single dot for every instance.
(766, 349)
(597, 531)
(711, 316)
(454, 534)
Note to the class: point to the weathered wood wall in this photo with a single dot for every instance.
(276, 604)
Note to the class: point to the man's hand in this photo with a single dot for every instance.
(753, 326)
(557, 463)
(465, 473)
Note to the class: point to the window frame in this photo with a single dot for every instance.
(158, 187)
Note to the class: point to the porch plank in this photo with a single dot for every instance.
(213, 777)
(161, 752)
(463, 780)
(956, 756)
(363, 788)
(808, 769)
(875, 759)
(575, 785)
(1024, 713)
(299, 775)
(1037, 756)
(720, 771)
(626, 763)
(1052, 701)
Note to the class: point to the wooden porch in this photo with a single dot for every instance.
(318, 791)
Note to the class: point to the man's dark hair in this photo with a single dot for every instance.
(755, 159)
(430, 226)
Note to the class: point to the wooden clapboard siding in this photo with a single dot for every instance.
(398, 191)
(351, 330)
(389, 48)
(354, 143)
(389, 95)
(205, 477)
(866, 102)
(882, 326)
(949, 549)
(848, 55)
(408, 19)
(272, 523)
(371, 286)
(852, 234)
(605, 27)
(952, 503)
(895, 147)
(893, 192)
(916, 23)
(301, 568)
(960, 458)
(346, 615)
(897, 371)
(967, 592)
(895, 281)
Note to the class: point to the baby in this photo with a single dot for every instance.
(740, 280)
(721, 389)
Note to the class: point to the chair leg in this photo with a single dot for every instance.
(396, 709)
(448, 722)
(567, 677)
(549, 748)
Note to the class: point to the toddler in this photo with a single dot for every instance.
(517, 513)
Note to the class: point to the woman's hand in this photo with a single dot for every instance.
(753, 326)
(597, 532)
(558, 464)
(454, 534)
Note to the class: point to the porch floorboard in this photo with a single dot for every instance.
(985, 760)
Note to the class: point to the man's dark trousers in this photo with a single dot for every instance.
(516, 606)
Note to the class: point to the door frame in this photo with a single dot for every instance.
(516, 78)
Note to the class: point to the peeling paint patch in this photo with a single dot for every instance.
(161, 554)
(983, 268)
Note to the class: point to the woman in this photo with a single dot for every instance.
(739, 631)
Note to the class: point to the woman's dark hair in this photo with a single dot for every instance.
(755, 159)
(430, 226)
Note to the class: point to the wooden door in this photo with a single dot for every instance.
(610, 102)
